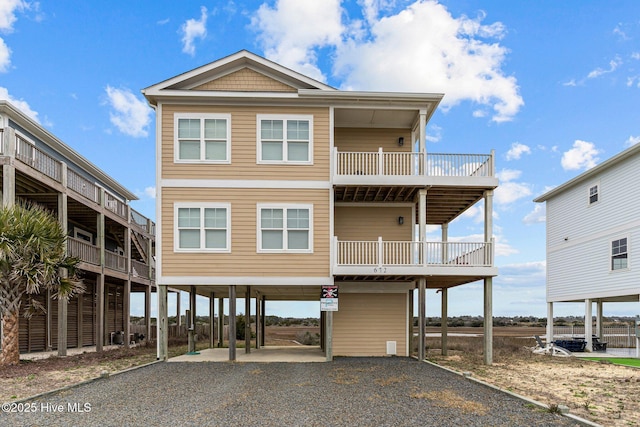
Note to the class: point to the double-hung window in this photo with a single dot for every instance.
(285, 139)
(202, 138)
(593, 194)
(202, 227)
(285, 228)
(619, 254)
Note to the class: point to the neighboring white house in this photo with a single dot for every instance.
(593, 238)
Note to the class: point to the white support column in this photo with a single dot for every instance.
(599, 324)
(488, 320)
(147, 312)
(549, 322)
(422, 131)
(488, 216)
(422, 285)
(232, 322)
(588, 324)
(191, 320)
(444, 316)
(163, 323)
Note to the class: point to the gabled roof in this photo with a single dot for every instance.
(607, 164)
(191, 80)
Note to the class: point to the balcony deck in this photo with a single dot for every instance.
(448, 263)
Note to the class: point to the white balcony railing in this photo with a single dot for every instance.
(412, 164)
(402, 253)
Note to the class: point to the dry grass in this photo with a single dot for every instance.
(604, 393)
(451, 399)
(391, 380)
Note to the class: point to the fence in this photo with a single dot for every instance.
(615, 336)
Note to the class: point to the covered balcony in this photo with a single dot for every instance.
(447, 262)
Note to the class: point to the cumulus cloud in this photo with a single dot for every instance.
(510, 191)
(8, 9)
(613, 65)
(517, 150)
(292, 29)
(21, 104)
(193, 29)
(5, 56)
(583, 155)
(537, 215)
(150, 192)
(129, 114)
(633, 140)
(422, 48)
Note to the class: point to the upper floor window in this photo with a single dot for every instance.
(202, 227)
(285, 228)
(203, 138)
(619, 254)
(593, 194)
(285, 139)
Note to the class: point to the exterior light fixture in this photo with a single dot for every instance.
(400, 220)
(401, 141)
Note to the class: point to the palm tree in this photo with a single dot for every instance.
(32, 260)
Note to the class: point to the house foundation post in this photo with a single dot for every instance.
(212, 323)
(588, 324)
(329, 335)
(220, 322)
(232, 322)
(422, 286)
(443, 323)
(258, 334)
(147, 311)
(162, 323)
(191, 320)
(247, 320)
(263, 321)
(410, 339)
(549, 322)
(488, 320)
(599, 323)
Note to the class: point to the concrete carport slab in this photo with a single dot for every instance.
(293, 354)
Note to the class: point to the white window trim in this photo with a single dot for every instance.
(611, 269)
(201, 206)
(284, 207)
(79, 233)
(201, 116)
(599, 193)
(285, 118)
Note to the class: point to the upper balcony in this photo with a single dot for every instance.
(413, 169)
(446, 263)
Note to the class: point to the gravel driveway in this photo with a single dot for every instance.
(346, 392)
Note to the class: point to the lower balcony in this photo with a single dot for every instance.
(404, 260)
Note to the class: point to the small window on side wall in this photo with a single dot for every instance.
(619, 254)
(593, 194)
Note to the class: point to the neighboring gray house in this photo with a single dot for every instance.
(593, 235)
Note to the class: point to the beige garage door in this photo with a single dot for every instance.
(367, 323)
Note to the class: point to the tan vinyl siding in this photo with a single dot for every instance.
(244, 259)
(244, 146)
(365, 322)
(368, 223)
(370, 139)
(246, 80)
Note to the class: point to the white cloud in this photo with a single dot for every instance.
(22, 105)
(5, 56)
(434, 133)
(424, 48)
(537, 215)
(293, 28)
(510, 191)
(583, 155)
(163, 21)
(7, 13)
(633, 140)
(613, 65)
(130, 115)
(192, 29)
(517, 150)
(150, 192)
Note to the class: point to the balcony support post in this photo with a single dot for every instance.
(380, 252)
(445, 246)
(212, 312)
(443, 322)
(232, 322)
(422, 223)
(380, 162)
(488, 223)
(8, 170)
(422, 300)
(191, 320)
(549, 322)
(63, 302)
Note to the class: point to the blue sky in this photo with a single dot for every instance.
(552, 86)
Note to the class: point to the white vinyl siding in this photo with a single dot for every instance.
(285, 228)
(202, 227)
(619, 254)
(580, 236)
(284, 139)
(202, 138)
